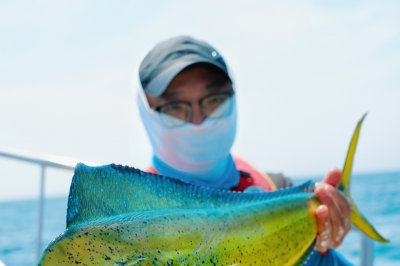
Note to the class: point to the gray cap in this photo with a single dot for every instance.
(170, 57)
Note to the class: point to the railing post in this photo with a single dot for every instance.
(367, 252)
(44, 160)
(40, 221)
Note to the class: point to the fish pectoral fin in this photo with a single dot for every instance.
(359, 221)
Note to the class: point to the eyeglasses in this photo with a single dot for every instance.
(177, 113)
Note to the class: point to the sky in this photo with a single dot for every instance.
(305, 72)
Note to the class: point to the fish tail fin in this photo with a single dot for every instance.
(357, 219)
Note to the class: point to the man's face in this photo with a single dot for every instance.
(192, 84)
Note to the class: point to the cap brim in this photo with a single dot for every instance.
(160, 83)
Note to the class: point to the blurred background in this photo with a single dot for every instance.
(305, 73)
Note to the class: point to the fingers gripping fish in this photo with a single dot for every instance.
(122, 216)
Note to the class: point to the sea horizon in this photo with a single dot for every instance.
(297, 179)
(376, 195)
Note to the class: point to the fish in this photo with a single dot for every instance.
(120, 215)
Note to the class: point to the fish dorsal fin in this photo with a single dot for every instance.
(109, 190)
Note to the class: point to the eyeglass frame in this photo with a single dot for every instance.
(199, 102)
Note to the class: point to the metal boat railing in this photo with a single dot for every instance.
(45, 160)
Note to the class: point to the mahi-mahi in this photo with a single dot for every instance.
(119, 215)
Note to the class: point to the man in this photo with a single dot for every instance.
(187, 104)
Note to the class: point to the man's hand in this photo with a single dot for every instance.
(333, 216)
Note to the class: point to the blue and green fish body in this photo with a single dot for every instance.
(121, 216)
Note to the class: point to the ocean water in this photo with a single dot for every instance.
(376, 194)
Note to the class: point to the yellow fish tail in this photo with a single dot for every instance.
(357, 219)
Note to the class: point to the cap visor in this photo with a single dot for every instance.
(160, 83)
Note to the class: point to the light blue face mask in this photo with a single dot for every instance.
(197, 154)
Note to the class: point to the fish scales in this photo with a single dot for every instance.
(122, 216)
(96, 192)
(191, 237)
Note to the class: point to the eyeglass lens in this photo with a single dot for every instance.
(213, 106)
